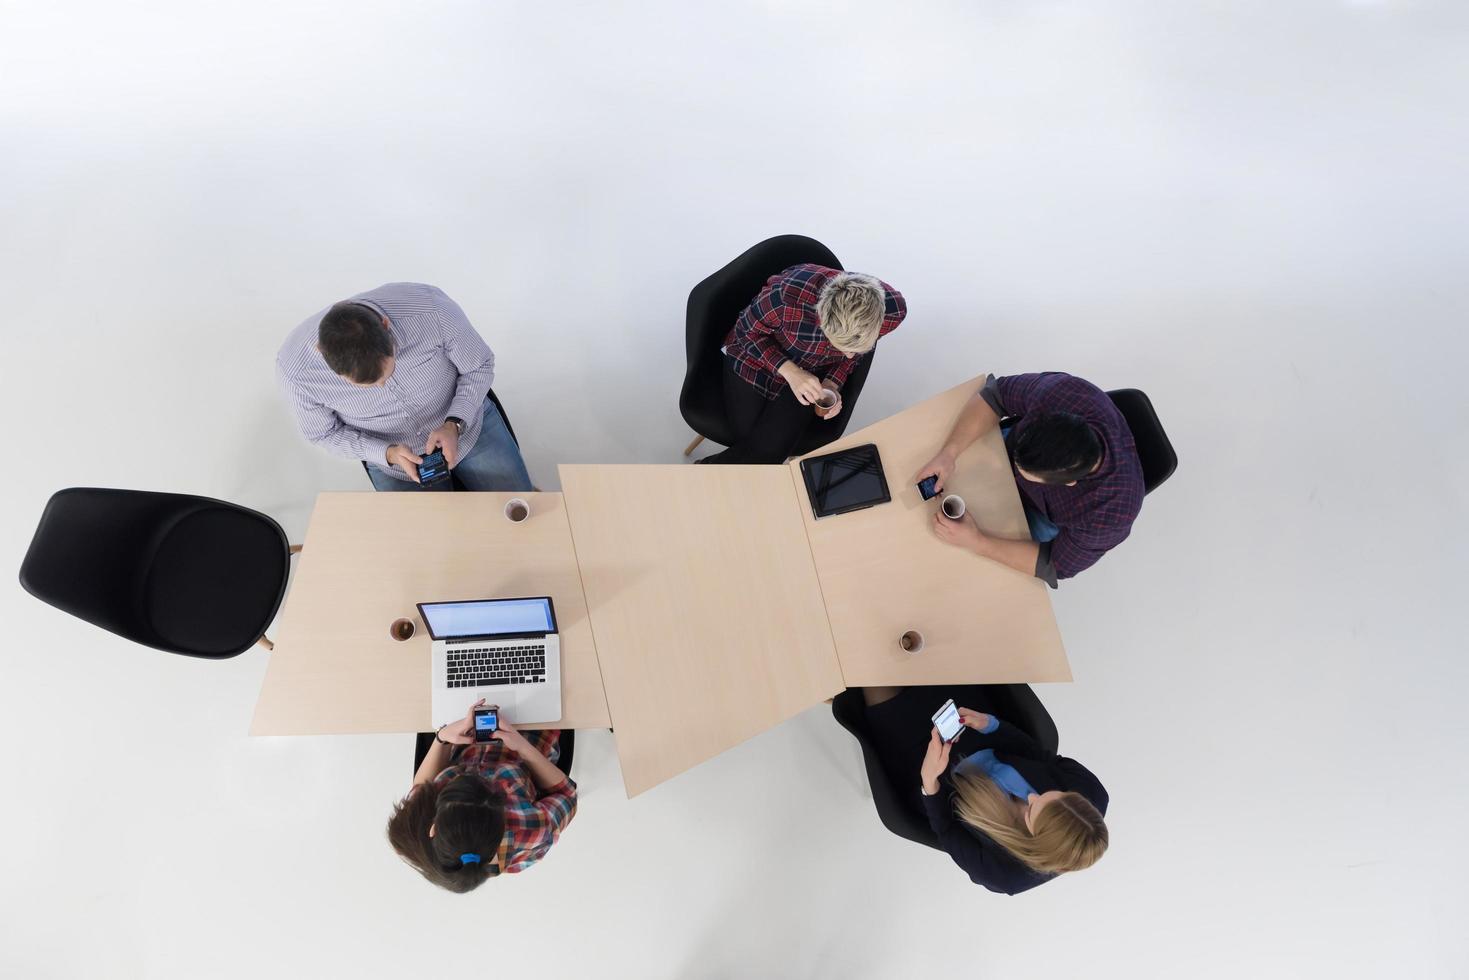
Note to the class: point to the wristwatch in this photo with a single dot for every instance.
(458, 424)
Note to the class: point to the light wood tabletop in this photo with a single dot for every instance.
(883, 571)
(368, 559)
(705, 604)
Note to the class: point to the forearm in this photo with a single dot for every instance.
(974, 421)
(542, 770)
(473, 386)
(1019, 555)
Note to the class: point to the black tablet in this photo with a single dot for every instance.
(845, 481)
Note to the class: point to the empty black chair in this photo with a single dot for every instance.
(183, 574)
(714, 304)
(567, 742)
(898, 809)
(1154, 450)
(490, 395)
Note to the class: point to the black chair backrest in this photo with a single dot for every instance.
(1014, 703)
(185, 574)
(1154, 450)
(713, 306)
(567, 744)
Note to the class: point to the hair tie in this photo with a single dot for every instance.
(468, 858)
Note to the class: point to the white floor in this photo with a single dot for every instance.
(1254, 211)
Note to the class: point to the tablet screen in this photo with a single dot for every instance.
(845, 481)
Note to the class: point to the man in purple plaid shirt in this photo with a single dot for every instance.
(1075, 462)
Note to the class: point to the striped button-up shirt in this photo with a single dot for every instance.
(442, 367)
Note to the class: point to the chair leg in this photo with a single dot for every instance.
(693, 445)
(264, 641)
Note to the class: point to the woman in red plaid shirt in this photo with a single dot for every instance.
(803, 332)
(496, 809)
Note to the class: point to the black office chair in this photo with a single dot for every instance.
(568, 746)
(490, 395)
(183, 574)
(714, 304)
(898, 810)
(1154, 450)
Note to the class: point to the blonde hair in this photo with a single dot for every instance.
(1069, 832)
(850, 309)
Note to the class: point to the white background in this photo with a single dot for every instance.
(1255, 211)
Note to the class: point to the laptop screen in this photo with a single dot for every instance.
(488, 617)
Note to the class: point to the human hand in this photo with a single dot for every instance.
(445, 437)
(405, 459)
(976, 720)
(941, 466)
(836, 407)
(963, 533)
(461, 732)
(804, 385)
(511, 737)
(935, 762)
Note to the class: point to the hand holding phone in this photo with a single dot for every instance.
(928, 488)
(433, 472)
(486, 721)
(948, 722)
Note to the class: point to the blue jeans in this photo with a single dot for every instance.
(1041, 528)
(493, 464)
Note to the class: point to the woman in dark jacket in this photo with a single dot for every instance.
(1010, 812)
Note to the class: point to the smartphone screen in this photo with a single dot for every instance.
(926, 488)
(946, 720)
(486, 720)
(433, 466)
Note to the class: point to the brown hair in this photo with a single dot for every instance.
(1069, 832)
(468, 817)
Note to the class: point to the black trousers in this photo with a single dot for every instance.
(900, 726)
(769, 429)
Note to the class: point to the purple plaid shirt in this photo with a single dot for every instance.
(1096, 515)
(781, 325)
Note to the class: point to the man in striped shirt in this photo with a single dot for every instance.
(396, 372)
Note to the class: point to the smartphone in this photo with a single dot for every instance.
(947, 721)
(487, 719)
(928, 488)
(433, 472)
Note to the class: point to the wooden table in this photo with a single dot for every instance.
(368, 558)
(883, 571)
(705, 604)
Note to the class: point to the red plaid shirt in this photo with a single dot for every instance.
(1096, 515)
(781, 325)
(534, 818)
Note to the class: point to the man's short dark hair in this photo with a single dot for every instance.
(1058, 447)
(353, 342)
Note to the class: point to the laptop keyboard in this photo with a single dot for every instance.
(486, 666)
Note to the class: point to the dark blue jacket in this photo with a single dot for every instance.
(986, 862)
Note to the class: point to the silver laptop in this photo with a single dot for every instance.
(503, 650)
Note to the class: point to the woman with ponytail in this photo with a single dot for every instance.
(477, 810)
(1010, 812)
